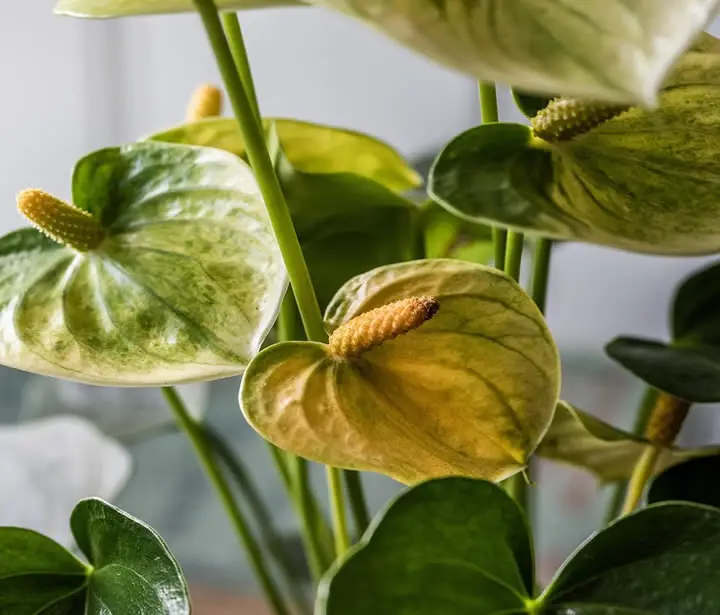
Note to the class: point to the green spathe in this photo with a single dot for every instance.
(645, 181)
(471, 392)
(185, 286)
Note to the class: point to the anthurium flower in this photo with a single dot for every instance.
(639, 179)
(434, 367)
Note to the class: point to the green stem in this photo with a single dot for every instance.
(541, 272)
(490, 114)
(196, 434)
(263, 516)
(513, 257)
(254, 138)
(641, 475)
(358, 504)
(337, 506)
(236, 40)
(647, 405)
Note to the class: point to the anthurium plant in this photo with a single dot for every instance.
(371, 329)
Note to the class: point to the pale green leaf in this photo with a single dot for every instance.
(610, 50)
(644, 181)
(185, 286)
(581, 439)
(122, 8)
(470, 392)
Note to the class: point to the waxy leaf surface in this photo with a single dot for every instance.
(470, 392)
(122, 8)
(48, 465)
(644, 181)
(341, 188)
(184, 287)
(435, 550)
(693, 481)
(611, 50)
(581, 439)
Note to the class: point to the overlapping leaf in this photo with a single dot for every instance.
(470, 392)
(583, 440)
(184, 287)
(644, 181)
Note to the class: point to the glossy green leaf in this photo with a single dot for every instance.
(691, 373)
(663, 560)
(310, 148)
(121, 8)
(184, 287)
(341, 190)
(693, 481)
(48, 465)
(447, 236)
(453, 546)
(134, 572)
(36, 573)
(529, 104)
(612, 51)
(695, 317)
(470, 392)
(581, 439)
(643, 181)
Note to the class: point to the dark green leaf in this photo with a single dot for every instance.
(696, 481)
(36, 573)
(664, 560)
(695, 317)
(134, 570)
(530, 104)
(686, 372)
(454, 546)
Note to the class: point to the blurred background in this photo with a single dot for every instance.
(74, 86)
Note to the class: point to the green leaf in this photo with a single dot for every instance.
(447, 236)
(619, 52)
(59, 461)
(310, 148)
(134, 572)
(121, 8)
(341, 190)
(662, 560)
(36, 573)
(693, 481)
(691, 373)
(529, 104)
(185, 286)
(453, 546)
(581, 439)
(695, 317)
(470, 392)
(643, 181)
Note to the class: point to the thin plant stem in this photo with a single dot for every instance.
(513, 257)
(490, 114)
(647, 404)
(356, 497)
(282, 224)
(236, 40)
(641, 475)
(261, 513)
(196, 434)
(541, 272)
(337, 506)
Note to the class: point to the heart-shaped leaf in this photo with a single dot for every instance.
(121, 413)
(132, 569)
(121, 8)
(341, 190)
(581, 439)
(134, 572)
(695, 317)
(49, 465)
(184, 287)
(470, 392)
(663, 560)
(687, 372)
(693, 481)
(454, 546)
(617, 52)
(37, 575)
(644, 180)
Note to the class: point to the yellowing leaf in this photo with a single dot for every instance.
(469, 392)
(583, 440)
